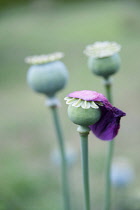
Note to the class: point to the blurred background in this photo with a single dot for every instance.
(29, 180)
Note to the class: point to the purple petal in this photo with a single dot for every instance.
(88, 95)
(108, 125)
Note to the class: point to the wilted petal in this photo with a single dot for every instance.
(108, 125)
(88, 95)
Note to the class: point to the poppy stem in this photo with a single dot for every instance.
(84, 131)
(108, 171)
(108, 88)
(110, 150)
(65, 184)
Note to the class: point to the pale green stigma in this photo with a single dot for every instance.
(76, 102)
(102, 49)
(41, 59)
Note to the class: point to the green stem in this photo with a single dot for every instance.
(108, 87)
(108, 180)
(65, 186)
(85, 169)
(110, 150)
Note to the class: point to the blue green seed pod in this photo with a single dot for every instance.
(84, 117)
(106, 66)
(82, 112)
(47, 75)
(104, 59)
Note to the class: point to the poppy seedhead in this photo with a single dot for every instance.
(47, 74)
(102, 49)
(41, 59)
(93, 109)
(104, 59)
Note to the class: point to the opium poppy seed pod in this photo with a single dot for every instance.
(47, 74)
(104, 59)
(89, 108)
(82, 112)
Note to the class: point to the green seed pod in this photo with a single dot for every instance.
(105, 66)
(47, 78)
(84, 117)
(104, 59)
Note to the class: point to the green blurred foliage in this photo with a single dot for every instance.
(8, 3)
(12, 3)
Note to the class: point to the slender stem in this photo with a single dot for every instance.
(108, 180)
(110, 150)
(65, 186)
(108, 87)
(85, 168)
